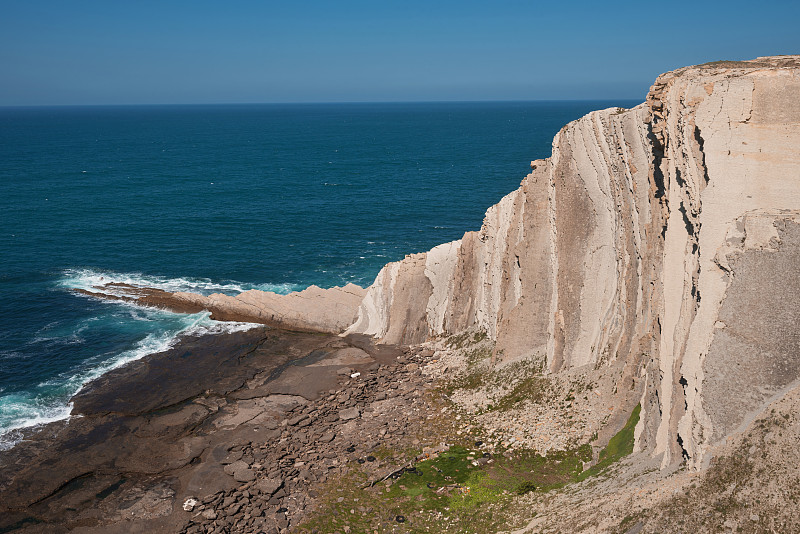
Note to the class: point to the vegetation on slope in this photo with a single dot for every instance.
(463, 489)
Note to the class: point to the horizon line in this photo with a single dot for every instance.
(314, 102)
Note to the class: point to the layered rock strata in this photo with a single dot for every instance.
(221, 433)
(664, 237)
(313, 309)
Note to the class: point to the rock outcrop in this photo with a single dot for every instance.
(665, 236)
(313, 309)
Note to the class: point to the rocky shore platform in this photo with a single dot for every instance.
(222, 433)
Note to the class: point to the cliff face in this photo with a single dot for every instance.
(664, 237)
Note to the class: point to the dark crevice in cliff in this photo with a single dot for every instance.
(684, 383)
(695, 292)
(700, 143)
(679, 178)
(684, 452)
(658, 156)
(686, 221)
(660, 193)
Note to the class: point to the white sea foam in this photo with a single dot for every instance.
(49, 401)
(26, 413)
(195, 324)
(24, 410)
(89, 279)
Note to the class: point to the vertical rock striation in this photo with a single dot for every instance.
(662, 237)
(730, 134)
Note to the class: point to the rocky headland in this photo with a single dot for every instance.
(615, 350)
(312, 310)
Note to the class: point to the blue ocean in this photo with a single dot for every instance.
(223, 199)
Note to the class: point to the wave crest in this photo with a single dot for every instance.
(89, 279)
(48, 401)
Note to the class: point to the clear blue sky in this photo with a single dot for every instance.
(141, 52)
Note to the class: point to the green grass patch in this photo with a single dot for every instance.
(546, 473)
(525, 487)
(618, 447)
(445, 494)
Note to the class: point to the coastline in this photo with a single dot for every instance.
(147, 436)
(289, 429)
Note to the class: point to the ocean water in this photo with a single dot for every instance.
(222, 199)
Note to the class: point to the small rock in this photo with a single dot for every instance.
(240, 471)
(295, 420)
(244, 475)
(209, 514)
(189, 504)
(231, 468)
(731, 524)
(349, 413)
(268, 486)
(282, 521)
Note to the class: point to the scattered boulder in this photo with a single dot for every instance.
(238, 465)
(268, 486)
(240, 471)
(294, 421)
(244, 475)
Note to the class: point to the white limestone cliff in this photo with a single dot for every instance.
(664, 237)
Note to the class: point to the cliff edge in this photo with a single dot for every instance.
(662, 239)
